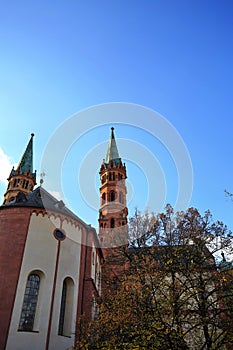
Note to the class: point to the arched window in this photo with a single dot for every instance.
(112, 196)
(16, 182)
(112, 223)
(29, 303)
(66, 308)
(111, 176)
(62, 308)
(120, 176)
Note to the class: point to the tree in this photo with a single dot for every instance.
(173, 295)
(228, 194)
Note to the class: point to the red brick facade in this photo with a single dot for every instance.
(13, 233)
(87, 286)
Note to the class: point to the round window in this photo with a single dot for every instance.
(59, 235)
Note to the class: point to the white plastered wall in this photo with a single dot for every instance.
(69, 266)
(40, 255)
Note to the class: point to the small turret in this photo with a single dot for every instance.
(23, 179)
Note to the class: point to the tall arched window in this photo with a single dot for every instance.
(112, 196)
(16, 182)
(112, 223)
(112, 176)
(66, 308)
(29, 303)
(62, 309)
(120, 176)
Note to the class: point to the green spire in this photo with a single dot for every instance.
(112, 152)
(26, 162)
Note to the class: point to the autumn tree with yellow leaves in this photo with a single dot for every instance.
(174, 294)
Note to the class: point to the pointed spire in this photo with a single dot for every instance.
(23, 179)
(26, 162)
(112, 152)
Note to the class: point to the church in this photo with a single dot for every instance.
(54, 267)
(50, 259)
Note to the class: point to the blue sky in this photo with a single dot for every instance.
(171, 56)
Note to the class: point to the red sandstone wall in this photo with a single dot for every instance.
(87, 286)
(13, 232)
(86, 282)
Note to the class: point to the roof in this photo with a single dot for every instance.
(26, 162)
(40, 198)
(112, 153)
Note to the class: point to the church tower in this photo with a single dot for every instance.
(50, 266)
(23, 179)
(113, 210)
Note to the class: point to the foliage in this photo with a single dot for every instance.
(172, 295)
(228, 194)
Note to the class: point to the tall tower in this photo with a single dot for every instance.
(22, 179)
(50, 266)
(113, 210)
